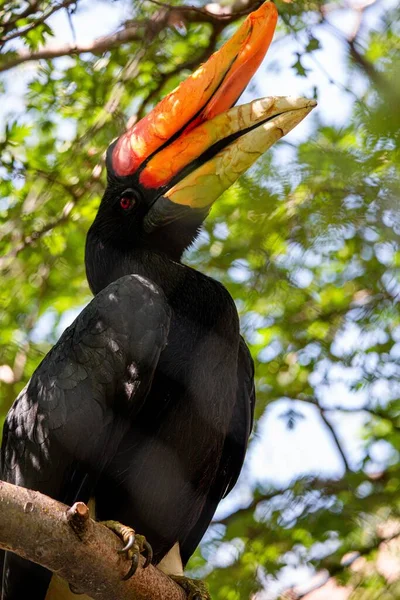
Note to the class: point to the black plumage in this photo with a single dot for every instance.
(146, 401)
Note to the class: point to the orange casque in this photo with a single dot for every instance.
(212, 89)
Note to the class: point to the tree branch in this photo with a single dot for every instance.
(99, 45)
(31, 8)
(69, 543)
(325, 486)
(351, 40)
(36, 22)
(212, 13)
(335, 437)
(346, 562)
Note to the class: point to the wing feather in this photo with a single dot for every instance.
(87, 388)
(233, 452)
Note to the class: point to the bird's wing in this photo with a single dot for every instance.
(86, 389)
(233, 453)
(66, 424)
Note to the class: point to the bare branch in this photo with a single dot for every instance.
(334, 437)
(99, 45)
(40, 529)
(206, 15)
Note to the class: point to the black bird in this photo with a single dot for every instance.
(146, 402)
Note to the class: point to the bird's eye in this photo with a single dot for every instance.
(127, 200)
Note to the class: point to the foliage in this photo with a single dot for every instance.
(307, 244)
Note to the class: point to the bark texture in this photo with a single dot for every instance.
(69, 543)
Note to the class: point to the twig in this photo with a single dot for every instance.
(334, 437)
(327, 487)
(207, 15)
(99, 45)
(351, 42)
(341, 566)
(38, 528)
(36, 235)
(29, 10)
(79, 519)
(36, 22)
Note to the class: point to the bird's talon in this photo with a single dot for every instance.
(129, 545)
(134, 566)
(148, 553)
(135, 545)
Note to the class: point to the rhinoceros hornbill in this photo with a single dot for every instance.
(146, 402)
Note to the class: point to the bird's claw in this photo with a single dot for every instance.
(135, 545)
(195, 588)
(131, 541)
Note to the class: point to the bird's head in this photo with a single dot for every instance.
(166, 171)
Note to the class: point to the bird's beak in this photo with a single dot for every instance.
(193, 145)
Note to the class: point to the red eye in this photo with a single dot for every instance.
(125, 202)
(127, 199)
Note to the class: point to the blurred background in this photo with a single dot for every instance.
(307, 243)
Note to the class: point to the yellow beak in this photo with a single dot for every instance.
(248, 130)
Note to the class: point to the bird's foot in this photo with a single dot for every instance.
(195, 588)
(135, 545)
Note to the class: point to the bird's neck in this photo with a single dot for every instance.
(105, 264)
